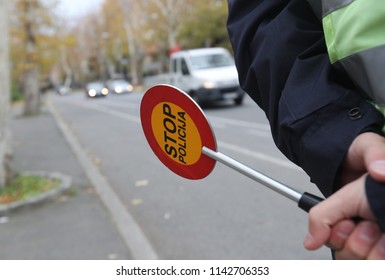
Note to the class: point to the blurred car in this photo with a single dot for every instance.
(96, 89)
(120, 86)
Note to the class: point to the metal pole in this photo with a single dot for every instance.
(253, 174)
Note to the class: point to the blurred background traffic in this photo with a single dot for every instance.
(55, 45)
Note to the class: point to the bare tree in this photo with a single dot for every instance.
(4, 91)
(132, 26)
(173, 12)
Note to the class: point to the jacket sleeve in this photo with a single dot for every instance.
(282, 63)
(375, 193)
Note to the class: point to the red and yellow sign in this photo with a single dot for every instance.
(177, 129)
(176, 133)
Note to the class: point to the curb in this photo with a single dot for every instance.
(65, 184)
(130, 231)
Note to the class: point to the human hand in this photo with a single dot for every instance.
(330, 224)
(357, 241)
(365, 154)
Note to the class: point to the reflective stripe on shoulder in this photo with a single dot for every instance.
(353, 28)
(366, 70)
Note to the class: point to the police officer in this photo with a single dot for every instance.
(317, 119)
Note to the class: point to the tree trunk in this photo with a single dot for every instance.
(4, 92)
(31, 74)
(133, 53)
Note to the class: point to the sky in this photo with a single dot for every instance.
(77, 8)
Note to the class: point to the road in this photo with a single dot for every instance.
(223, 216)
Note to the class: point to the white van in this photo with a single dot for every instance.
(207, 75)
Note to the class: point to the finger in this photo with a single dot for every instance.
(320, 222)
(377, 170)
(340, 233)
(342, 205)
(360, 242)
(374, 155)
(378, 252)
(366, 153)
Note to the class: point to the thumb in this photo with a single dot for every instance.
(317, 236)
(376, 169)
(344, 204)
(375, 156)
(321, 219)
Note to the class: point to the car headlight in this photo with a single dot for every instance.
(92, 92)
(104, 91)
(209, 85)
(118, 89)
(130, 88)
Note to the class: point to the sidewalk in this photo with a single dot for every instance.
(74, 226)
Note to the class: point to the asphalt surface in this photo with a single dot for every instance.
(92, 220)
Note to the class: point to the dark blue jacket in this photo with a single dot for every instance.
(313, 110)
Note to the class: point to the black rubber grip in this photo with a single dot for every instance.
(308, 200)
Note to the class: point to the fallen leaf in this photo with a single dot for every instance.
(4, 219)
(112, 256)
(136, 201)
(141, 183)
(96, 161)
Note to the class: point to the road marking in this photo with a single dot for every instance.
(219, 122)
(132, 234)
(259, 156)
(103, 109)
(259, 133)
(124, 105)
(239, 123)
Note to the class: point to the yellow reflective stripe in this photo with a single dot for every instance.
(356, 27)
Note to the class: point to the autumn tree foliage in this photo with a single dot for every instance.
(122, 39)
(127, 38)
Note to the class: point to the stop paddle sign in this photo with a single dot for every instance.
(177, 130)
